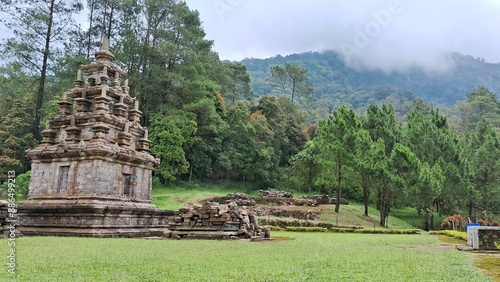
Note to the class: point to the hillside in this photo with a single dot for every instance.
(336, 83)
(174, 198)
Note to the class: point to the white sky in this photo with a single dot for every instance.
(377, 34)
(382, 34)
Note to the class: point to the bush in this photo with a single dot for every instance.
(451, 233)
(305, 229)
(21, 186)
(494, 223)
(482, 222)
(276, 228)
(453, 222)
(352, 230)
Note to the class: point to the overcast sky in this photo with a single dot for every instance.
(383, 34)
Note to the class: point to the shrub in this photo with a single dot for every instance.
(352, 230)
(453, 222)
(21, 186)
(451, 233)
(305, 229)
(494, 223)
(276, 228)
(482, 222)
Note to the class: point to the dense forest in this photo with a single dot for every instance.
(302, 122)
(335, 83)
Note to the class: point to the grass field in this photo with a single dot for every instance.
(308, 257)
(178, 196)
(352, 214)
(175, 197)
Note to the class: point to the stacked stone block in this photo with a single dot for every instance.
(215, 221)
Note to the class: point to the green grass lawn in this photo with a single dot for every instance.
(175, 197)
(309, 257)
(353, 214)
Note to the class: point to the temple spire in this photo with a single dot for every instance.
(105, 44)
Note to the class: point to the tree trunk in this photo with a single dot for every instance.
(190, 173)
(383, 213)
(339, 190)
(470, 210)
(110, 22)
(426, 220)
(91, 20)
(366, 193)
(43, 74)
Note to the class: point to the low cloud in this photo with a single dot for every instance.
(384, 34)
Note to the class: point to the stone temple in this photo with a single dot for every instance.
(91, 175)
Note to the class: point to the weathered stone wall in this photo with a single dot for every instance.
(4, 219)
(90, 178)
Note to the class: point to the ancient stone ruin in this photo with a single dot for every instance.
(5, 220)
(216, 221)
(92, 172)
(91, 175)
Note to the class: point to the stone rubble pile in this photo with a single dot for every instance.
(285, 201)
(241, 199)
(216, 221)
(271, 193)
(287, 212)
(325, 199)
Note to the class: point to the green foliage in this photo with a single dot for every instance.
(21, 184)
(480, 104)
(336, 146)
(292, 80)
(15, 134)
(305, 169)
(376, 231)
(337, 84)
(483, 155)
(352, 230)
(168, 136)
(236, 85)
(305, 229)
(39, 30)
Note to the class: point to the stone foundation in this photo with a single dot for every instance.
(91, 218)
(5, 219)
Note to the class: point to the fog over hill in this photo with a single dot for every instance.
(385, 35)
(337, 82)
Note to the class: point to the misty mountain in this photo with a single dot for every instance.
(337, 83)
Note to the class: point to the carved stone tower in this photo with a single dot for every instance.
(91, 175)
